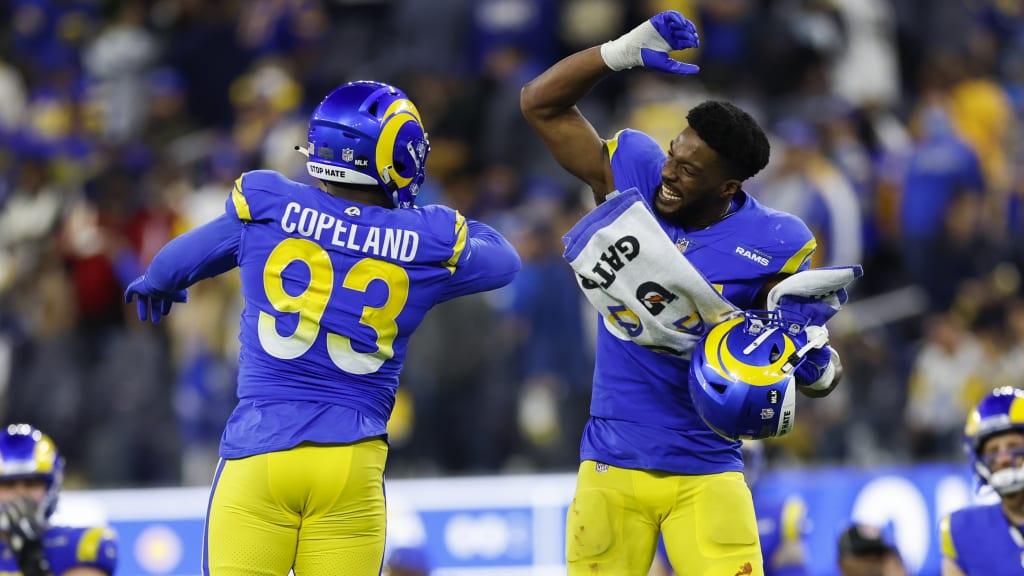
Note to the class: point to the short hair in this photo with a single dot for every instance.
(733, 134)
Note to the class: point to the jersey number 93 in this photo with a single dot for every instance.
(313, 302)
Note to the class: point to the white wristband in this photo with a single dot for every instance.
(624, 51)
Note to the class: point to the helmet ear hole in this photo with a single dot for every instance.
(720, 388)
(775, 354)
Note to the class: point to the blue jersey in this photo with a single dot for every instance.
(642, 416)
(332, 291)
(66, 548)
(979, 540)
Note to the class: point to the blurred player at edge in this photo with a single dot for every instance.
(649, 463)
(31, 474)
(335, 279)
(989, 539)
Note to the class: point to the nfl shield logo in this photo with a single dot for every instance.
(347, 155)
(682, 244)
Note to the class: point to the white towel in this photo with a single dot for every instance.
(644, 288)
(821, 283)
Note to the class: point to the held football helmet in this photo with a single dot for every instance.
(1001, 411)
(26, 453)
(369, 133)
(742, 375)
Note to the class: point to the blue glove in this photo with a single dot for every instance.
(649, 44)
(814, 365)
(817, 309)
(680, 35)
(153, 304)
(815, 294)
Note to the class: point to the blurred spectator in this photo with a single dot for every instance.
(118, 61)
(944, 383)
(863, 551)
(806, 184)
(941, 170)
(866, 70)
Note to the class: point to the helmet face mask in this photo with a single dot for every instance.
(27, 453)
(369, 134)
(998, 417)
(742, 376)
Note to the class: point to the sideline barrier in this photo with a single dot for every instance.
(514, 525)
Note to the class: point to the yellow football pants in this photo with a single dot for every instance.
(708, 523)
(317, 509)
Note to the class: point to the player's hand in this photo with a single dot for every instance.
(152, 304)
(22, 524)
(22, 520)
(820, 372)
(817, 309)
(816, 295)
(649, 44)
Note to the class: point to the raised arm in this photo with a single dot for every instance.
(549, 101)
(549, 105)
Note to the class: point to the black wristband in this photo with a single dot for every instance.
(32, 561)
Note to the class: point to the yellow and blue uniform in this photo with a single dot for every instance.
(333, 290)
(649, 463)
(981, 541)
(66, 548)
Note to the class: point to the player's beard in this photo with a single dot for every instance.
(693, 207)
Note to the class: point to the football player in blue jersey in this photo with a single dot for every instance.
(649, 462)
(335, 278)
(31, 472)
(989, 539)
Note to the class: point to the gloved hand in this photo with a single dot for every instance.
(816, 294)
(153, 304)
(22, 524)
(817, 309)
(649, 44)
(818, 368)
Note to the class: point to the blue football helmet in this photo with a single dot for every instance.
(1002, 410)
(369, 133)
(26, 453)
(742, 376)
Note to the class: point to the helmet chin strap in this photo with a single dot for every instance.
(1004, 482)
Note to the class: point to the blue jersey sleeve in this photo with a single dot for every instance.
(487, 261)
(201, 253)
(67, 548)
(97, 548)
(254, 196)
(636, 162)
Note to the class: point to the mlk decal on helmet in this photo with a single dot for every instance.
(369, 134)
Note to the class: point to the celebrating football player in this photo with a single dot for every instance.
(335, 279)
(650, 463)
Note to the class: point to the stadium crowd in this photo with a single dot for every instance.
(895, 136)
